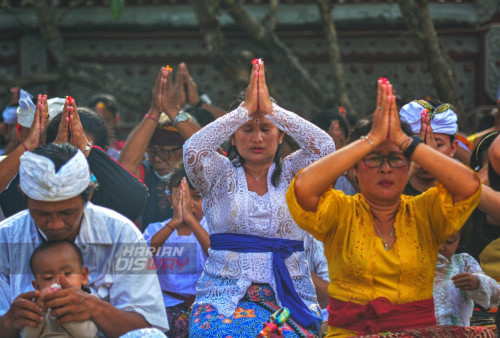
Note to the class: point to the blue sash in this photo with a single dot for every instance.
(281, 249)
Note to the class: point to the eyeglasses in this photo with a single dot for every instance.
(163, 154)
(376, 161)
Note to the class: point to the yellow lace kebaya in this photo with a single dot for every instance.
(360, 269)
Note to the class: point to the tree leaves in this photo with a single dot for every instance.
(117, 7)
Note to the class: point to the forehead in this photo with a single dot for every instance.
(442, 137)
(387, 148)
(74, 202)
(54, 257)
(163, 148)
(260, 121)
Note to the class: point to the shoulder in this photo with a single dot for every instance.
(100, 218)
(153, 228)
(14, 224)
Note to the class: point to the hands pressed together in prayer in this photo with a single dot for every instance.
(183, 210)
(168, 97)
(68, 304)
(386, 124)
(70, 128)
(36, 134)
(257, 99)
(185, 88)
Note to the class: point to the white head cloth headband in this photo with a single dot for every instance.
(26, 109)
(443, 117)
(40, 182)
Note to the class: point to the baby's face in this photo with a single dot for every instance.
(51, 264)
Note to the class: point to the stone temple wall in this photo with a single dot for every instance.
(134, 48)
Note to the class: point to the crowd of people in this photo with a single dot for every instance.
(205, 222)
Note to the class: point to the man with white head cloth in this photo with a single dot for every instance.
(56, 182)
(437, 126)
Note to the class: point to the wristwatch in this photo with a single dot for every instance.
(182, 116)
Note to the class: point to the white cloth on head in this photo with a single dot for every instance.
(106, 240)
(26, 109)
(40, 182)
(441, 123)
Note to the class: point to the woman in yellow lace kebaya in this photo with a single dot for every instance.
(382, 246)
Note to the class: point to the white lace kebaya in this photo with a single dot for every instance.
(231, 208)
(454, 306)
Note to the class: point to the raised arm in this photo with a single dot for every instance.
(201, 160)
(460, 181)
(192, 96)
(133, 151)
(10, 165)
(317, 177)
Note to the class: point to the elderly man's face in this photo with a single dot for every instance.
(58, 220)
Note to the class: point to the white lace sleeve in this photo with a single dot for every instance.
(488, 293)
(201, 160)
(313, 141)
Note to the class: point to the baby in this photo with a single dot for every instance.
(459, 283)
(48, 262)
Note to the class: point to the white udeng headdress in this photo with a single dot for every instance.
(443, 118)
(26, 110)
(40, 182)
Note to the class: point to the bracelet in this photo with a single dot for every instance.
(199, 104)
(405, 144)
(24, 146)
(171, 229)
(151, 117)
(408, 152)
(88, 146)
(364, 137)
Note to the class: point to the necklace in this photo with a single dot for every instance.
(379, 234)
(256, 177)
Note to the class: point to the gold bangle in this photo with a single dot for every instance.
(405, 144)
(364, 137)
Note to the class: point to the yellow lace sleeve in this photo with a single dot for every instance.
(324, 220)
(445, 216)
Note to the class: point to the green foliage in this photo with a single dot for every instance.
(117, 8)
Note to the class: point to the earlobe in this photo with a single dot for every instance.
(85, 275)
(454, 147)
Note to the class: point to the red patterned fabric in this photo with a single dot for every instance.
(380, 315)
(441, 331)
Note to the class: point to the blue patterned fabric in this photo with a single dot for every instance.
(247, 320)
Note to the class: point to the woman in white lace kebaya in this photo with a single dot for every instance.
(458, 284)
(256, 260)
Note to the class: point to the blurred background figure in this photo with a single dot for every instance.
(106, 106)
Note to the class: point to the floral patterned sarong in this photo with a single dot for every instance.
(247, 320)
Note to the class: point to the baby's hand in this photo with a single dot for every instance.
(466, 281)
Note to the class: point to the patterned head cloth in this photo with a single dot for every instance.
(443, 118)
(26, 109)
(40, 182)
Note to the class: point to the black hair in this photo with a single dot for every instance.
(235, 156)
(92, 124)
(60, 154)
(480, 150)
(177, 175)
(53, 244)
(324, 119)
(202, 116)
(107, 99)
